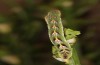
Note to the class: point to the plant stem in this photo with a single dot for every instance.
(74, 59)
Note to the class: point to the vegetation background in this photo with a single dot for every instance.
(24, 37)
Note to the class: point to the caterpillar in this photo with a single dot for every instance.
(61, 49)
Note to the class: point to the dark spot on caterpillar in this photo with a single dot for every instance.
(63, 44)
(58, 45)
(53, 39)
(64, 51)
(67, 50)
(61, 50)
(65, 56)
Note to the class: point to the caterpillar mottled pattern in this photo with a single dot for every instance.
(56, 35)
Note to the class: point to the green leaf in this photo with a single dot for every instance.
(69, 33)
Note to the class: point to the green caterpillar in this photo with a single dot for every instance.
(61, 50)
(56, 35)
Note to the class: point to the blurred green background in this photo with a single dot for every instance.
(24, 36)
